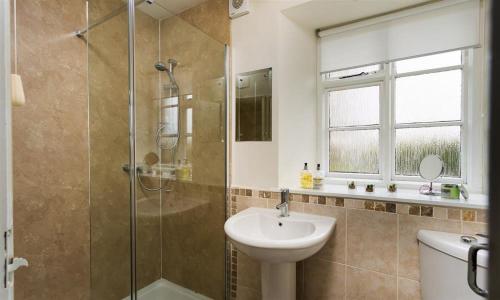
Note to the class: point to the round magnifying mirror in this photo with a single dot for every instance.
(431, 168)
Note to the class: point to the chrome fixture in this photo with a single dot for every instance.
(81, 33)
(472, 269)
(172, 63)
(173, 93)
(283, 206)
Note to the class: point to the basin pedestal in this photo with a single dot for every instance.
(278, 281)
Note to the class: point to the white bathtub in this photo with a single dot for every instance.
(163, 289)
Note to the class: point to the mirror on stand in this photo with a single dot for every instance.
(430, 169)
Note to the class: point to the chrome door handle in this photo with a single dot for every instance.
(472, 269)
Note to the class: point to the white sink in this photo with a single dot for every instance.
(278, 242)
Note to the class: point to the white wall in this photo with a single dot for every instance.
(266, 38)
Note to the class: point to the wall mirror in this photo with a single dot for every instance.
(254, 106)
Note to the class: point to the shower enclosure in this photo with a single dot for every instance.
(157, 117)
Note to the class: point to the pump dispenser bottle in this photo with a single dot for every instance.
(306, 178)
(318, 178)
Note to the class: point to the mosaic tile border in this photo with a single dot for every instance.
(440, 212)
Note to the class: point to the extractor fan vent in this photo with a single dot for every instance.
(238, 8)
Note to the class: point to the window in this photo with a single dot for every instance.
(381, 120)
(354, 129)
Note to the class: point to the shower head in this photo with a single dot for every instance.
(169, 69)
(160, 66)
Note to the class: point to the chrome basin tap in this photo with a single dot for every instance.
(283, 206)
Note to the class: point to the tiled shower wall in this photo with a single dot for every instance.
(50, 160)
(372, 254)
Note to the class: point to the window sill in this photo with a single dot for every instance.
(475, 201)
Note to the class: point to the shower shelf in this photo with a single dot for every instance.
(170, 178)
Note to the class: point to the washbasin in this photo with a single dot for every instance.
(278, 243)
(260, 233)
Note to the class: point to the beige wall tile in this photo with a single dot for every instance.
(323, 280)
(354, 203)
(372, 240)
(454, 213)
(440, 212)
(334, 250)
(245, 293)
(482, 216)
(248, 272)
(367, 285)
(271, 203)
(246, 202)
(468, 215)
(474, 228)
(211, 17)
(402, 208)
(297, 206)
(408, 244)
(408, 289)
(50, 153)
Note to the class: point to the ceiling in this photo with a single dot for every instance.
(161, 9)
(316, 14)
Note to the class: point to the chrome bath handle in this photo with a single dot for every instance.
(472, 269)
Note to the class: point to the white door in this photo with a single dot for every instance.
(8, 263)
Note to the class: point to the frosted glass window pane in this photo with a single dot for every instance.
(170, 101)
(429, 97)
(358, 106)
(169, 120)
(354, 151)
(429, 62)
(413, 144)
(350, 72)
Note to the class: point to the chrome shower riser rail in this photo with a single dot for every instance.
(81, 33)
(132, 148)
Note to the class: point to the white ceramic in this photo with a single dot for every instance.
(443, 266)
(163, 289)
(278, 243)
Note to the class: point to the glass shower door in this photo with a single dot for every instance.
(163, 235)
(109, 150)
(181, 124)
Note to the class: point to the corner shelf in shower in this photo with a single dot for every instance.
(169, 178)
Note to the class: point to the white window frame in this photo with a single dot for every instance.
(473, 124)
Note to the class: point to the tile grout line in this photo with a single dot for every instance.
(345, 254)
(397, 257)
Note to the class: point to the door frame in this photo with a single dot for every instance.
(6, 292)
(494, 158)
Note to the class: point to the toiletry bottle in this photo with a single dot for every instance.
(318, 178)
(178, 170)
(186, 170)
(306, 178)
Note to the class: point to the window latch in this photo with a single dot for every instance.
(354, 75)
